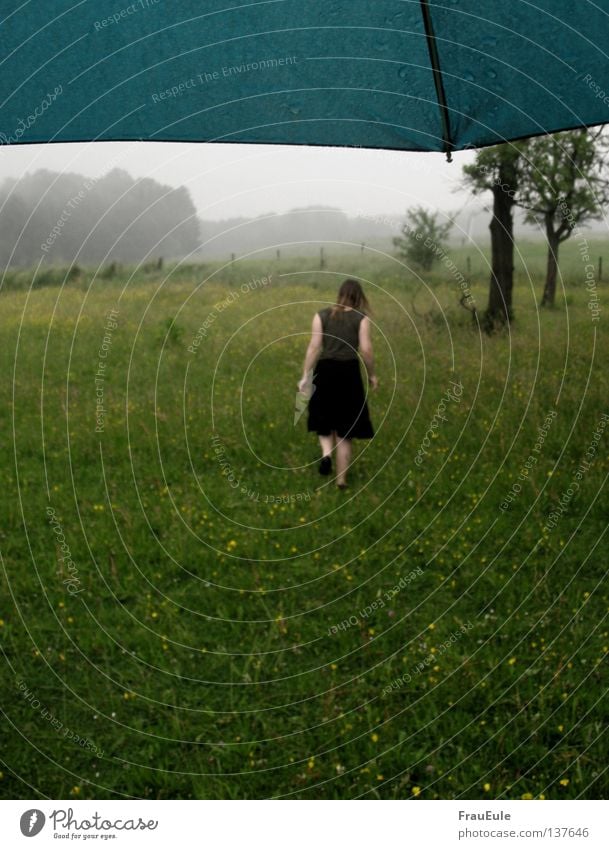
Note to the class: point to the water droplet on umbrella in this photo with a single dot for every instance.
(492, 74)
(467, 75)
(394, 20)
(404, 72)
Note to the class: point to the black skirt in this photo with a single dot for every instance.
(339, 401)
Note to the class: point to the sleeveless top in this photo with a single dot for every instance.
(340, 339)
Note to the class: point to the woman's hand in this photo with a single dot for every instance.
(303, 384)
(374, 382)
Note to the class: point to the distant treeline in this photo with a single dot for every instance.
(65, 218)
(298, 232)
(302, 232)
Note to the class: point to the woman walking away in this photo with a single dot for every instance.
(338, 411)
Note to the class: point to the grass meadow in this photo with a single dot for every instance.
(188, 610)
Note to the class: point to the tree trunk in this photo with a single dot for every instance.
(549, 290)
(499, 310)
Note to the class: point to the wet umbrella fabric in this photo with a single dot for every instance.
(402, 74)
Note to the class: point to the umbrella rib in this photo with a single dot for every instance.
(437, 78)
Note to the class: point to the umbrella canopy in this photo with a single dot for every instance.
(401, 74)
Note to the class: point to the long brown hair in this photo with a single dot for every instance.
(351, 295)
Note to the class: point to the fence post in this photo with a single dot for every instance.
(600, 269)
(321, 258)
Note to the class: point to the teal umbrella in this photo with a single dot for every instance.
(401, 74)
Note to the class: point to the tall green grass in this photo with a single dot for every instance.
(230, 641)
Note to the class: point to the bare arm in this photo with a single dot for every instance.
(365, 349)
(313, 350)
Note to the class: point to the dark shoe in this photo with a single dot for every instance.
(342, 486)
(325, 466)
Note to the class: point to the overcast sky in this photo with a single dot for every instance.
(247, 180)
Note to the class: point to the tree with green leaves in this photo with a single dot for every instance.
(498, 170)
(423, 238)
(67, 217)
(563, 186)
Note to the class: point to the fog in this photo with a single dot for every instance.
(230, 180)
